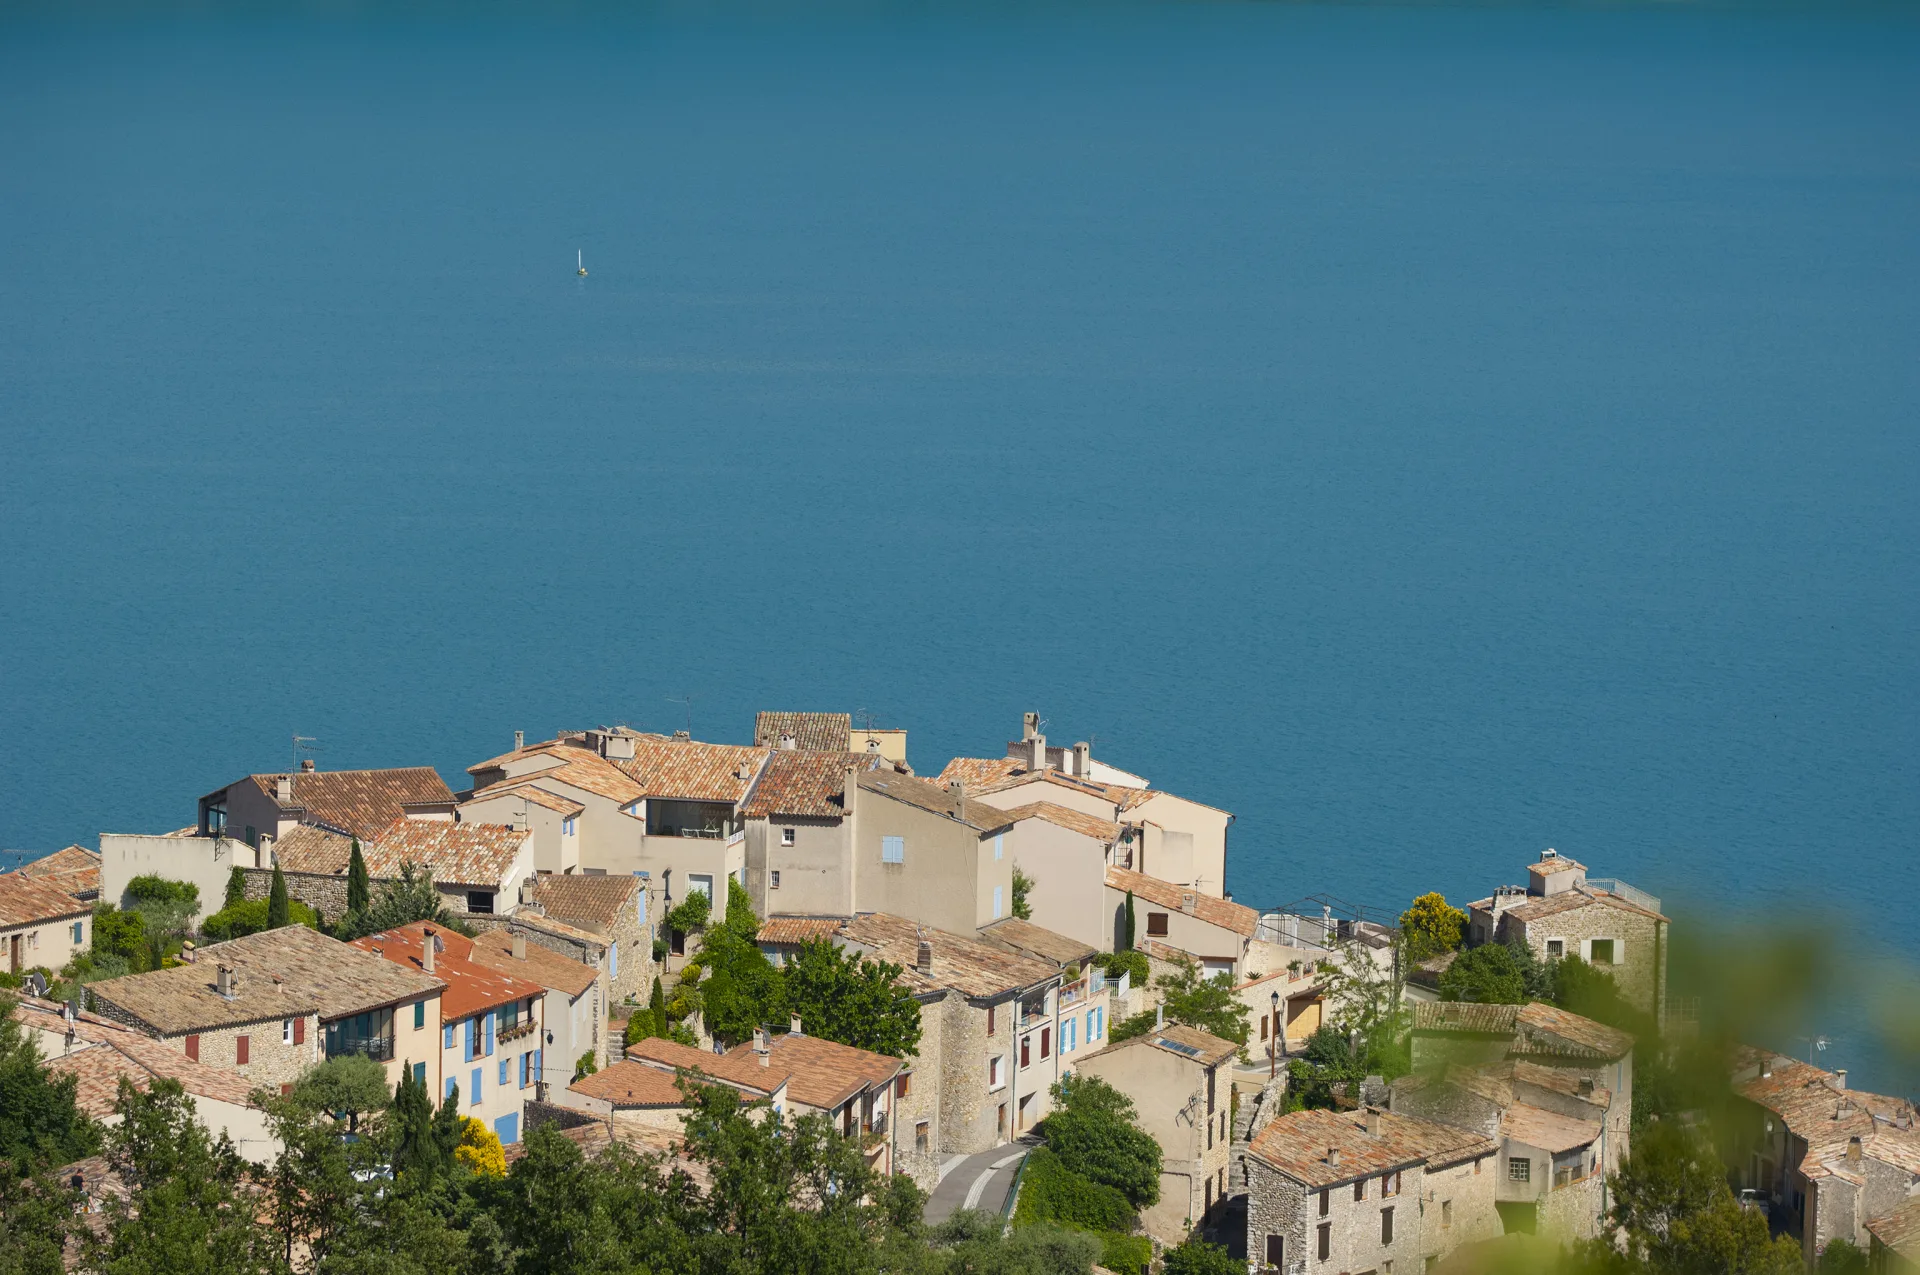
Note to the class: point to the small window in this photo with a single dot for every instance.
(419, 1015)
(1386, 1226)
(999, 846)
(1046, 1042)
(1556, 948)
(1519, 1169)
(993, 1073)
(998, 909)
(894, 850)
(193, 1047)
(420, 1074)
(773, 879)
(1601, 952)
(1326, 1240)
(1360, 1189)
(473, 1099)
(447, 1034)
(1446, 1213)
(78, 929)
(286, 1031)
(786, 836)
(241, 1050)
(920, 1137)
(993, 1015)
(1326, 1202)
(700, 883)
(480, 902)
(1156, 924)
(902, 1084)
(1389, 1184)
(567, 826)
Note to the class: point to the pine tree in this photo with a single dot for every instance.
(357, 889)
(1128, 944)
(277, 911)
(448, 1125)
(414, 1149)
(236, 889)
(657, 1007)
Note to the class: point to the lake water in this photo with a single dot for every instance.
(1432, 433)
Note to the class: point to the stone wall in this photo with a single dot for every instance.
(1571, 1211)
(1277, 1205)
(1458, 1204)
(923, 1101)
(326, 895)
(1639, 968)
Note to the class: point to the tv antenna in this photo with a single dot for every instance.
(864, 716)
(686, 701)
(302, 743)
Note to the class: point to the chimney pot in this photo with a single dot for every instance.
(1840, 1078)
(1373, 1122)
(1188, 903)
(793, 1026)
(519, 943)
(283, 788)
(789, 744)
(923, 958)
(426, 949)
(1333, 1156)
(1029, 725)
(519, 740)
(1082, 760)
(279, 985)
(1037, 756)
(306, 764)
(1853, 1150)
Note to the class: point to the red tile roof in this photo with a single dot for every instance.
(75, 870)
(528, 790)
(628, 1084)
(934, 799)
(798, 929)
(571, 763)
(823, 1073)
(541, 965)
(1298, 1145)
(689, 770)
(812, 732)
(478, 854)
(25, 900)
(1210, 908)
(104, 1051)
(978, 772)
(741, 1073)
(968, 966)
(357, 802)
(1105, 831)
(1548, 1130)
(472, 987)
(805, 784)
(1900, 1230)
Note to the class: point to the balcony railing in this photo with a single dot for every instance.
(378, 1048)
(876, 1124)
(515, 1031)
(1073, 993)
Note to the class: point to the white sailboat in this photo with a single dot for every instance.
(580, 259)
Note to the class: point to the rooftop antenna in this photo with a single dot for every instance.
(298, 741)
(863, 715)
(687, 701)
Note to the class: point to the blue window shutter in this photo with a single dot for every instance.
(473, 1030)
(536, 1063)
(419, 1073)
(507, 1129)
(996, 903)
(474, 1100)
(419, 1015)
(893, 849)
(447, 1092)
(505, 1063)
(614, 952)
(489, 1033)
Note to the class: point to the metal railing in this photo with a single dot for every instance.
(1615, 886)
(378, 1048)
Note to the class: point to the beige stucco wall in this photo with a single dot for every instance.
(948, 877)
(816, 877)
(49, 942)
(1192, 845)
(204, 861)
(1188, 933)
(496, 1099)
(1068, 870)
(1184, 1107)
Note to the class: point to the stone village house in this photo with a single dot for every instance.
(40, 924)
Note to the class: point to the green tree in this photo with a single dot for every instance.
(348, 1085)
(585, 1065)
(41, 1126)
(416, 1155)
(1486, 975)
(1841, 1257)
(185, 1213)
(408, 898)
(976, 1243)
(1197, 1257)
(1431, 926)
(119, 936)
(37, 1217)
(1092, 1130)
(853, 1000)
(358, 892)
(1022, 887)
(740, 989)
(651, 1021)
(250, 917)
(1126, 926)
(166, 911)
(1190, 998)
(236, 888)
(1051, 1193)
(1673, 1214)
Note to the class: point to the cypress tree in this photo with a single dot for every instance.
(277, 917)
(414, 1148)
(1127, 946)
(357, 891)
(236, 889)
(657, 1008)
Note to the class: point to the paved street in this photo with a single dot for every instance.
(975, 1182)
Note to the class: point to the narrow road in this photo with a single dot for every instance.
(975, 1182)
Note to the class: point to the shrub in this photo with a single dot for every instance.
(480, 1150)
(250, 917)
(1092, 1132)
(1197, 1257)
(1050, 1192)
(1127, 962)
(1488, 975)
(1127, 1254)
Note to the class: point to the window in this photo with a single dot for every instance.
(700, 884)
(473, 1099)
(419, 1015)
(1326, 1201)
(999, 846)
(240, 1050)
(1000, 1123)
(1096, 1024)
(1446, 1213)
(489, 1035)
(1277, 1252)
(446, 1034)
(773, 880)
(994, 1081)
(193, 1047)
(998, 911)
(480, 902)
(419, 1073)
(1600, 952)
(1389, 1184)
(902, 1084)
(1386, 1226)
(1326, 1240)
(613, 960)
(78, 928)
(1556, 948)
(992, 1014)
(1026, 1051)
(1069, 1033)
(920, 1137)
(253, 837)
(448, 1088)
(505, 1063)
(1519, 1169)
(286, 1031)
(1157, 924)
(894, 850)
(472, 1049)
(1209, 1195)
(1263, 1026)
(1046, 1043)
(1360, 1189)
(567, 826)
(786, 836)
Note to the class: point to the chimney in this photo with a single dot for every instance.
(279, 985)
(1082, 759)
(1029, 725)
(1853, 1149)
(519, 943)
(761, 1047)
(1840, 1078)
(1037, 752)
(426, 949)
(1333, 1157)
(959, 790)
(1373, 1122)
(788, 744)
(923, 959)
(223, 980)
(683, 737)
(1159, 1017)
(793, 1026)
(519, 740)
(1586, 1086)
(849, 786)
(1187, 902)
(283, 789)
(527, 889)
(306, 764)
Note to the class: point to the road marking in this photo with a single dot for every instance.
(1012, 1159)
(979, 1187)
(953, 1162)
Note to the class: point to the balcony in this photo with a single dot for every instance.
(876, 1124)
(1074, 993)
(378, 1048)
(514, 1031)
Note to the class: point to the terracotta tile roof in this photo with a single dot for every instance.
(104, 1051)
(573, 764)
(1558, 863)
(1105, 831)
(1038, 942)
(24, 900)
(560, 929)
(1545, 1029)
(594, 1140)
(530, 791)
(1581, 896)
(979, 772)
(806, 784)
(318, 975)
(794, 930)
(922, 795)
(470, 985)
(812, 732)
(628, 1084)
(689, 770)
(740, 1072)
(1465, 1017)
(1811, 1105)
(459, 853)
(316, 851)
(1548, 1130)
(542, 965)
(1191, 1042)
(1495, 1082)
(968, 966)
(1900, 1230)
(587, 901)
(1297, 1144)
(358, 802)
(75, 870)
(1020, 778)
(823, 1073)
(1210, 908)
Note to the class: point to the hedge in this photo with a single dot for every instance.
(1049, 1192)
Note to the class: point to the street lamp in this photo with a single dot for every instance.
(1273, 1045)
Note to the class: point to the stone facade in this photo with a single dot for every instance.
(1376, 1232)
(271, 1061)
(1457, 1207)
(327, 894)
(1639, 966)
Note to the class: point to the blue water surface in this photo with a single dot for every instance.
(1432, 433)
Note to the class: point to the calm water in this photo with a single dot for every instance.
(1432, 434)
